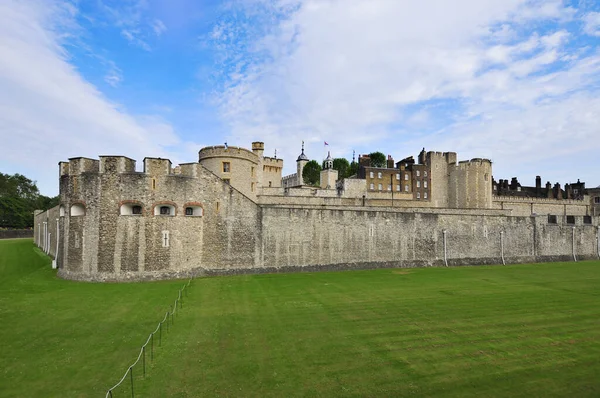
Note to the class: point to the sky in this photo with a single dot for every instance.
(514, 81)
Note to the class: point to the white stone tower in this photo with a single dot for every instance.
(328, 175)
(300, 163)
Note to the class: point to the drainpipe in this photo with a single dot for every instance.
(502, 247)
(44, 240)
(54, 266)
(574, 257)
(445, 251)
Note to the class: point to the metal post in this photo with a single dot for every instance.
(131, 374)
(574, 257)
(445, 250)
(502, 247)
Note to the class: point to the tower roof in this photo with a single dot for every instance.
(302, 155)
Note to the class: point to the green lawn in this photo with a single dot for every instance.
(69, 339)
(525, 330)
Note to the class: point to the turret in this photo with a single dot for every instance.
(258, 148)
(300, 163)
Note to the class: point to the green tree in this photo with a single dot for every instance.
(352, 169)
(19, 197)
(378, 159)
(311, 173)
(342, 166)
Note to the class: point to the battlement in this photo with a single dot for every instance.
(473, 163)
(526, 199)
(290, 177)
(226, 152)
(82, 165)
(116, 164)
(273, 162)
(157, 166)
(448, 157)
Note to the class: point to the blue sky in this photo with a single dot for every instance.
(512, 80)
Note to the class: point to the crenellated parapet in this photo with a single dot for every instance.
(222, 151)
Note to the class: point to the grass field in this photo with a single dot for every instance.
(526, 330)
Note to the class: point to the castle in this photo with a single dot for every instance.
(234, 212)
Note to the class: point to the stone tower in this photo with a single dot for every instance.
(300, 163)
(328, 175)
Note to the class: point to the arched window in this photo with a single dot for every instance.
(193, 209)
(131, 209)
(61, 210)
(77, 209)
(165, 209)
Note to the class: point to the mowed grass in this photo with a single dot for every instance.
(69, 339)
(525, 330)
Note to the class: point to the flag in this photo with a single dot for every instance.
(326, 143)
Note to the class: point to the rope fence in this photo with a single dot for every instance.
(126, 384)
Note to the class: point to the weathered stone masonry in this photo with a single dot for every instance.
(118, 224)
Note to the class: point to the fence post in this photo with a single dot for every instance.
(131, 374)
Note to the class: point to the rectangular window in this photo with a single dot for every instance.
(189, 211)
(371, 174)
(418, 173)
(551, 219)
(405, 177)
(165, 238)
(418, 184)
(372, 187)
(136, 210)
(597, 200)
(406, 188)
(389, 187)
(378, 175)
(270, 184)
(165, 210)
(252, 171)
(398, 188)
(587, 219)
(425, 173)
(398, 176)
(380, 187)
(226, 167)
(418, 195)
(252, 187)
(570, 219)
(424, 184)
(425, 195)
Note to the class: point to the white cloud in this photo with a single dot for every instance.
(159, 27)
(346, 71)
(114, 76)
(48, 112)
(592, 23)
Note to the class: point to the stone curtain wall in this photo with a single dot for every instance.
(333, 238)
(16, 233)
(45, 238)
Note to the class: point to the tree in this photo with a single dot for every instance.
(311, 173)
(378, 159)
(342, 166)
(19, 197)
(352, 169)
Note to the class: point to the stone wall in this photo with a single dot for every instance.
(540, 206)
(16, 233)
